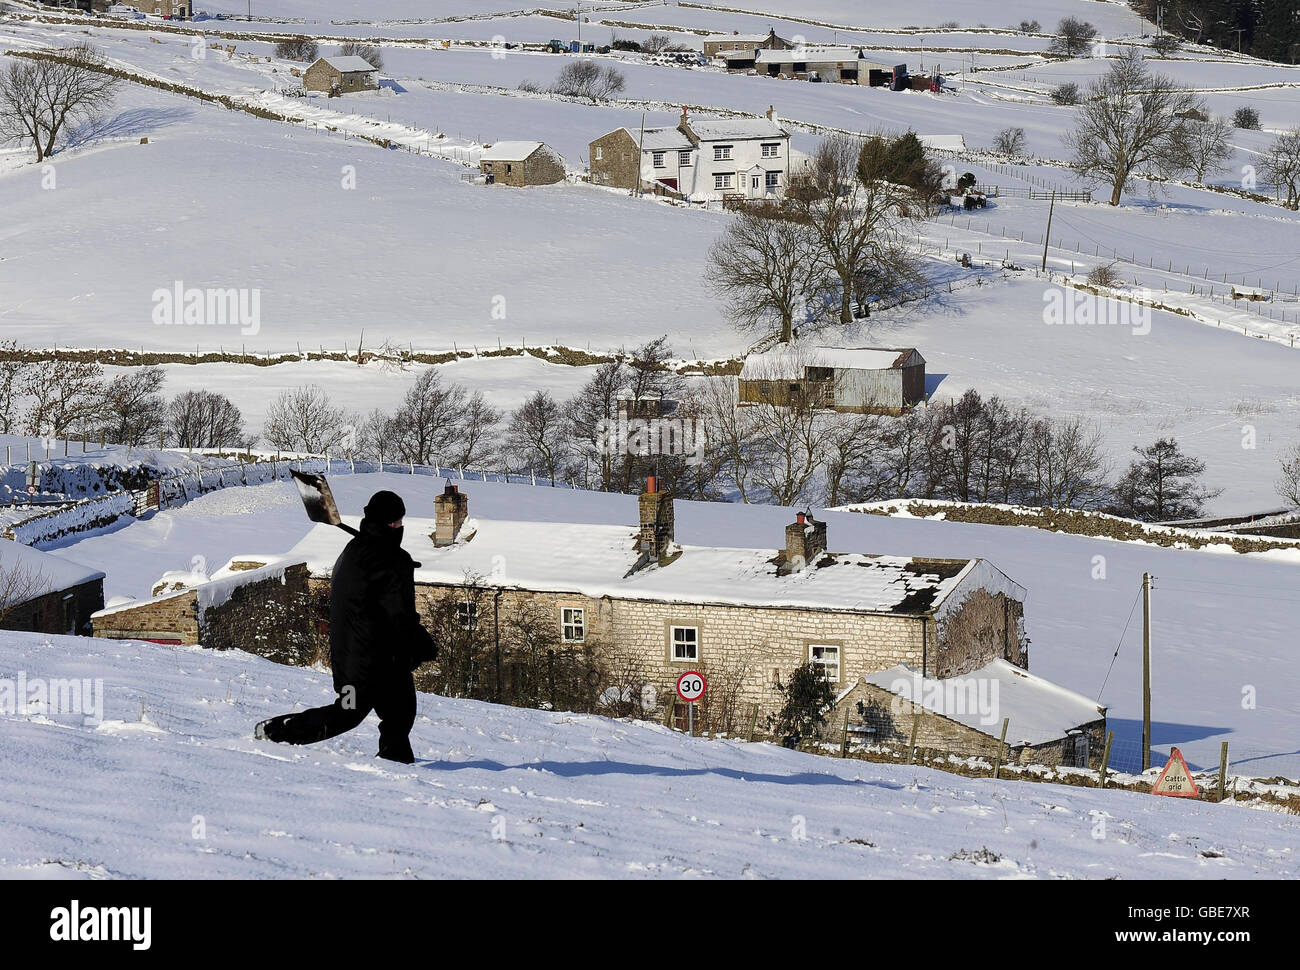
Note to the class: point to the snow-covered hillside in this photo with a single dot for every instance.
(170, 783)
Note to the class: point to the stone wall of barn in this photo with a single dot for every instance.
(61, 611)
(615, 160)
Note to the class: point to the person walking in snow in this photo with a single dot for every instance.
(376, 640)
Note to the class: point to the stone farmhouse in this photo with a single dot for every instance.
(521, 163)
(40, 593)
(339, 75)
(737, 45)
(863, 380)
(700, 160)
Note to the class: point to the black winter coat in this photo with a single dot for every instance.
(375, 631)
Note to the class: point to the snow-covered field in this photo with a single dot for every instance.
(168, 782)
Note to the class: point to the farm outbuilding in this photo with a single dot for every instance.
(341, 75)
(42, 593)
(864, 380)
(847, 64)
(521, 163)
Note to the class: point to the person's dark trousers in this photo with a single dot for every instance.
(393, 701)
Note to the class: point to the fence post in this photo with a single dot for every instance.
(911, 745)
(753, 722)
(1223, 768)
(1002, 742)
(1105, 760)
(671, 716)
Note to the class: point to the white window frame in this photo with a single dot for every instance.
(657, 159)
(822, 662)
(467, 614)
(600, 153)
(573, 624)
(772, 150)
(772, 180)
(722, 153)
(684, 158)
(723, 180)
(694, 641)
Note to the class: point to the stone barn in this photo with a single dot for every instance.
(864, 380)
(1046, 724)
(521, 163)
(41, 593)
(341, 75)
(740, 45)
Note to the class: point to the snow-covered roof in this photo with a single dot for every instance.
(735, 129)
(786, 361)
(48, 573)
(1039, 710)
(661, 139)
(351, 64)
(947, 143)
(737, 38)
(510, 151)
(594, 560)
(216, 589)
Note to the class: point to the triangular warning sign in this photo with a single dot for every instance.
(1176, 779)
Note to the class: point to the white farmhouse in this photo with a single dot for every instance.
(701, 160)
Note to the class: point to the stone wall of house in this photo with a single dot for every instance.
(986, 626)
(542, 168)
(619, 161)
(171, 618)
(321, 77)
(273, 618)
(61, 611)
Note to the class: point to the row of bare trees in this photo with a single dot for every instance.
(75, 399)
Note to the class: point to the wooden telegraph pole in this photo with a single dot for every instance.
(1146, 671)
(1047, 238)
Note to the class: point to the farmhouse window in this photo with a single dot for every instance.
(573, 624)
(721, 153)
(770, 150)
(686, 643)
(658, 159)
(600, 153)
(683, 158)
(723, 180)
(467, 615)
(827, 658)
(773, 181)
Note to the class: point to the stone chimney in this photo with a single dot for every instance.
(805, 540)
(656, 520)
(771, 113)
(451, 508)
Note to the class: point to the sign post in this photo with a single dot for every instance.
(690, 688)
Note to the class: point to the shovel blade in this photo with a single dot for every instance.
(316, 497)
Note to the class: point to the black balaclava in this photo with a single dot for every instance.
(382, 509)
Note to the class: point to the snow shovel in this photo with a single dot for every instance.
(319, 500)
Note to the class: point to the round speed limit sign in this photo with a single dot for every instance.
(691, 686)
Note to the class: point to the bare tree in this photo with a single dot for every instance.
(367, 52)
(1204, 146)
(765, 267)
(537, 435)
(589, 414)
(855, 216)
(133, 411)
(587, 79)
(1131, 120)
(1010, 141)
(19, 583)
(1288, 486)
(43, 95)
(730, 431)
(65, 394)
(1282, 166)
(1073, 37)
(477, 442)
(298, 49)
(428, 421)
(304, 419)
(14, 368)
(204, 419)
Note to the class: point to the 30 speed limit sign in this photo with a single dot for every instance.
(691, 686)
